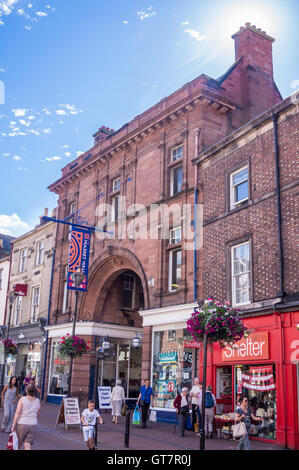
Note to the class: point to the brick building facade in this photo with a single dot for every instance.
(168, 155)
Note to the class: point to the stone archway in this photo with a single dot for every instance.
(103, 273)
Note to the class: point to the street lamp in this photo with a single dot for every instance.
(136, 342)
(106, 344)
(77, 277)
(11, 297)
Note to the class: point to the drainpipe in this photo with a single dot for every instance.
(48, 321)
(278, 206)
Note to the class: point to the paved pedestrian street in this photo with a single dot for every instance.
(158, 436)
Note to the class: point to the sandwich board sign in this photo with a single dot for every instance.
(104, 398)
(69, 412)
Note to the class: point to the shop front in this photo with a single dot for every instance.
(262, 367)
(173, 356)
(120, 361)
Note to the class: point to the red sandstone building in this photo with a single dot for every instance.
(231, 145)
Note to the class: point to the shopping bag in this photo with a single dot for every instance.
(239, 430)
(153, 416)
(136, 415)
(9, 445)
(15, 441)
(124, 410)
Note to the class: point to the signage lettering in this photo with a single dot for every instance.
(256, 346)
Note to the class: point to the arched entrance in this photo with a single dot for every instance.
(116, 293)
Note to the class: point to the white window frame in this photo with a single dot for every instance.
(1, 278)
(233, 203)
(22, 268)
(33, 312)
(18, 310)
(234, 276)
(173, 239)
(116, 185)
(172, 193)
(170, 264)
(38, 262)
(174, 157)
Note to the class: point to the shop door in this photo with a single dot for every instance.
(107, 373)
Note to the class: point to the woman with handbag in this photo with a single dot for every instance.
(145, 399)
(181, 404)
(116, 400)
(244, 415)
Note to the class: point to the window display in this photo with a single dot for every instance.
(172, 366)
(258, 384)
(58, 383)
(224, 383)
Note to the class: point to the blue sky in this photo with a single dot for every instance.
(69, 67)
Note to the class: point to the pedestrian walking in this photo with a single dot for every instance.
(117, 399)
(9, 398)
(181, 404)
(195, 395)
(89, 418)
(25, 419)
(244, 413)
(145, 399)
(210, 403)
(26, 382)
(38, 392)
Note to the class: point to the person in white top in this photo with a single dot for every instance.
(117, 399)
(88, 419)
(195, 400)
(25, 419)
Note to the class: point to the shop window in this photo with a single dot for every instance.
(58, 383)
(258, 383)
(1, 278)
(172, 367)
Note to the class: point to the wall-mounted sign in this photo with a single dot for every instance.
(168, 356)
(192, 344)
(20, 289)
(78, 257)
(254, 347)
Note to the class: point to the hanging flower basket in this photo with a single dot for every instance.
(10, 347)
(221, 322)
(72, 346)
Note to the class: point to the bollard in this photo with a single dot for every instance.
(96, 435)
(127, 429)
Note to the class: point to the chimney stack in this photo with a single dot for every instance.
(259, 92)
(102, 134)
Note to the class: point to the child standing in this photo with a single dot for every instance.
(88, 419)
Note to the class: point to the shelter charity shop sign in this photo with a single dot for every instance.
(254, 347)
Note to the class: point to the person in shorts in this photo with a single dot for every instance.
(26, 417)
(88, 419)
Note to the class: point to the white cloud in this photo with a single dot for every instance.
(7, 6)
(51, 159)
(185, 23)
(146, 13)
(19, 112)
(61, 112)
(11, 223)
(195, 34)
(47, 131)
(28, 28)
(25, 123)
(41, 13)
(17, 158)
(71, 108)
(6, 154)
(65, 146)
(125, 22)
(79, 153)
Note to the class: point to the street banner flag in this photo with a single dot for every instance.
(78, 257)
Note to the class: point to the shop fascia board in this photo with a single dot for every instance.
(93, 329)
(167, 315)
